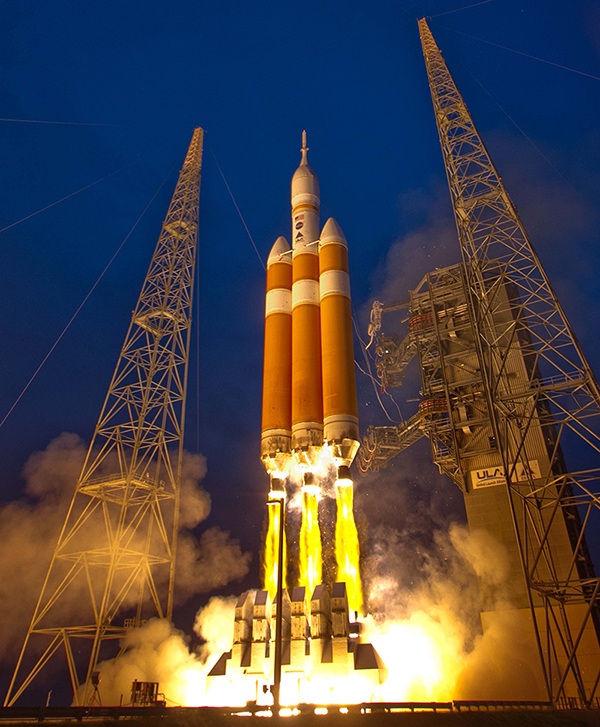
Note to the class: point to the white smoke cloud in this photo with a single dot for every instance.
(429, 634)
(158, 652)
(214, 624)
(194, 504)
(53, 471)
(29, 530)
(210, 563)
(430, 243)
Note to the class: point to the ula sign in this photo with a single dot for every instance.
(495, 475)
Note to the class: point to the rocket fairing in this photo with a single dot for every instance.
(276, 429)
(309, 386)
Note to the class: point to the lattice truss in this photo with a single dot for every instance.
(116, 553)
(502, 371)
(441, 336)
(514, 308)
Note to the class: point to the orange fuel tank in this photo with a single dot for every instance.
(276, 430)
(340, 414)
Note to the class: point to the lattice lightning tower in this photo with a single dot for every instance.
(507, 392)
(115, 556)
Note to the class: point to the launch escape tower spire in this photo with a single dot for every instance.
(507, 390)
(115, 556)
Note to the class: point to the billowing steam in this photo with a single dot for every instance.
(430, 244)
(427, 634)
(29, 530)
(158, 652)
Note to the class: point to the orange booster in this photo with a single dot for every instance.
(275, 447)
(340, 414)
(307, 402)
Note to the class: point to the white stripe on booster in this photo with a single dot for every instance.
(279, 300)
(305, 291)
(334, 282)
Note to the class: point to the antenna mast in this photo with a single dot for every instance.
(116, 553)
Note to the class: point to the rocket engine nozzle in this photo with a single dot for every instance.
(343, 475)
(277, 489)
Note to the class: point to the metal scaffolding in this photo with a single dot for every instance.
(115, 556)
(515, 396)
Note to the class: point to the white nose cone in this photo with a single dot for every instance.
(279, 249)
(332, 232)
(305, 183)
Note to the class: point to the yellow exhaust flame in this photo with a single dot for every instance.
(271, 557)
(347, 548)
(311, 561)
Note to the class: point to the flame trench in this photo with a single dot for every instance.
(347, 548)
(271, 557)
(310, 558)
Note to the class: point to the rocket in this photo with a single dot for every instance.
(309, 387)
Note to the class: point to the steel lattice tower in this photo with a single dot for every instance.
(508, 392)
(115, 556)
(560, 393)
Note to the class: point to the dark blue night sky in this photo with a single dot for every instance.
(254, 75)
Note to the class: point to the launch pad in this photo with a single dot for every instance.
(323, 660)
(405, 714)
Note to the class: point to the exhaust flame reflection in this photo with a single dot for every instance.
(305, 495)
(271, 557)
(347, 548)
(310, 557)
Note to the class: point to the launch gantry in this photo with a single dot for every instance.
(114, 564)
(506, 391)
